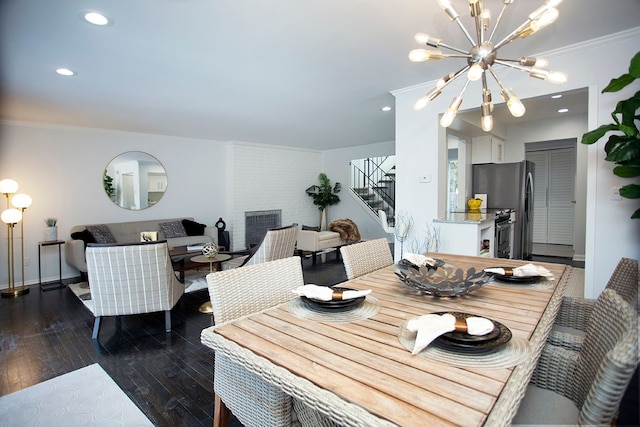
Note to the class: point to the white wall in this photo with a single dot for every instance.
(611, 234)
(266, 177)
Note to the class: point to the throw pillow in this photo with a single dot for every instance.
(193, 228)
(101, 233)
(308, 227)
(83, 235)
(173, 229)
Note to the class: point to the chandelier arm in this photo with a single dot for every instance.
(512, 36)
(455, 49)
(515, 66)
(495, 27)
(454, 76)
(495, 76)
(464, 30)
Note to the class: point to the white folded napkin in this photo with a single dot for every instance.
(431, 326)
(325, 293)
(419, 259)
(527, 270)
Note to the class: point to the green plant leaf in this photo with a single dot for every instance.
(636, 214)
(630, 191)
(626, 171)
(594, 135)
(620, 148)
(634, 66)
(619, 83)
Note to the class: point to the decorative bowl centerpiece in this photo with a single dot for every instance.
(210, 250)
(440, 280)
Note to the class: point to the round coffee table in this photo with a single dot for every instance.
(215, 263)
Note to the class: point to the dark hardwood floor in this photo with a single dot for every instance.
(168, 375)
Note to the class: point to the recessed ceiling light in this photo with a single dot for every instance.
(385, 108)
(563, 110)
(97, 18)
(556, 96)
(66, 72)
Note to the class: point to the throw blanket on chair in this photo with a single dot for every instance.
(347, 229)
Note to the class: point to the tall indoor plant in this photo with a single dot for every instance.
(324, 195)
(623, 147)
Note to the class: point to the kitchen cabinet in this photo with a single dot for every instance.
(467, 233)
(487, 149)
(157, 183)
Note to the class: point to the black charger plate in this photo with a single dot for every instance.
(338, 305)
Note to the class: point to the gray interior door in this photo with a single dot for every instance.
(554, 195)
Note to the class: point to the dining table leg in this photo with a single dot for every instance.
(220, 412)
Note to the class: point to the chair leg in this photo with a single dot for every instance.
(220, 412)
(96, 328)
(167, 320)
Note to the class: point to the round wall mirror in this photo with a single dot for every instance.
(134, 180)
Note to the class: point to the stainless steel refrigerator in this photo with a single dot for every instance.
(510, 186)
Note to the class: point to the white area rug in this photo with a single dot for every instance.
(85, 397)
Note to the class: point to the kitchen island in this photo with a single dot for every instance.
(468, 233)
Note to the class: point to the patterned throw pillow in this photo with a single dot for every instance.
(101, 233)
(173, 229)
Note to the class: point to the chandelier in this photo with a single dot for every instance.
(482, 58)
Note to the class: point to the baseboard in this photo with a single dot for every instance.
(578, 257)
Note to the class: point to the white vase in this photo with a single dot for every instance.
(323, 219)
(51, 234)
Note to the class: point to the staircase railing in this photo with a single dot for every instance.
(373, 181)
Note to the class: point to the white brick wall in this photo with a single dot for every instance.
(269, 177)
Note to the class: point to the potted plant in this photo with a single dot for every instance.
(623, 147)
(107, 181)
(324, 195)
(51, 232)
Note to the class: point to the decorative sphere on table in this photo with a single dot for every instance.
(210, 250)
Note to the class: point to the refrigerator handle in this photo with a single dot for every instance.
(528, 193)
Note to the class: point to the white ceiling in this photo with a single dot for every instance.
(303, 73)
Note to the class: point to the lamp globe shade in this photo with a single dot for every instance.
(11, 216)
(21, 201)
(8, 186)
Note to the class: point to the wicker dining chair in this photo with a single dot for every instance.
(585, 387)
(131, 278)
(277, 243)
(365, 257)
(241, 292)
(575, 313)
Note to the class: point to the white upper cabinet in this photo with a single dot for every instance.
(487, 149)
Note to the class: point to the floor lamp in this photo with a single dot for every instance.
(11, 216)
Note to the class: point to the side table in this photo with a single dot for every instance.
(54, 285)
(214, 264)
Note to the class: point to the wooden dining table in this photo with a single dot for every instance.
(359, 373)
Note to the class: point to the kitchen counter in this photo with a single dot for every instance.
(468, 217)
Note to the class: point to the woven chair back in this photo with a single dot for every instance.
(611, 319)
(365, 257)
(624, 280)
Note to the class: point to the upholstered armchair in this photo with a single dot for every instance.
(131, 279)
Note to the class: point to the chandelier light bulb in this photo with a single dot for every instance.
(450, 114)
(557, 77)
(513, 102)
(548, 17)
(421, 55)
(475, 72)
(486, 19)
(487, 118)
(541, 63)
(421, 38)
(421, 103)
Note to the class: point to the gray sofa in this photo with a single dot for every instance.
(129, 232)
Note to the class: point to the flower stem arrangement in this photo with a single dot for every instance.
(51, 222)
(623, 146)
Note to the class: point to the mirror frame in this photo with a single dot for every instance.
(129, 177)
